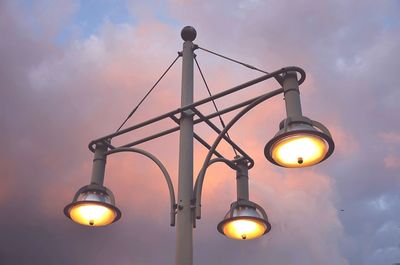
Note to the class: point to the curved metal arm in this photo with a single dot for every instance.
(215, 160)
(224, 160)
(202, 173)
(163, 169)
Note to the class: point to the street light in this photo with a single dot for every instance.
(94, 206)
(244, 220)
(300, 142)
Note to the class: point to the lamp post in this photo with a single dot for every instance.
(300, 142)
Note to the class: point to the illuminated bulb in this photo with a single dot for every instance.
(95, 207)
(244, 229)
(244, 222)
(92, 214)
(299, 150)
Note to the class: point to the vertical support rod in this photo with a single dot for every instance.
(184, 226)
(242, 181)
(99, 164)
(292, 95)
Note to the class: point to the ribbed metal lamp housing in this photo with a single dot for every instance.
(93, 206)
(245, 220)
(299, 144)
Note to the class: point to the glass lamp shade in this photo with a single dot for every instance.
(93, 208)
(301, 145)
(244, 223)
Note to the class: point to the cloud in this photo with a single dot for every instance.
(392, 161)
(390, 137)
(55, 99)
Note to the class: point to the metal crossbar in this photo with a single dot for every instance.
(218, 131)
(200, 117)
(199, 139)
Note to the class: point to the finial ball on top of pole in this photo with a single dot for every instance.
(188, 33)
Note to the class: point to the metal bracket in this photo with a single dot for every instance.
(187, 113)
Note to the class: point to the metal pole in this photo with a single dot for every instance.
(184, 226)
(242, 181)
(99, 164)
(292, 95)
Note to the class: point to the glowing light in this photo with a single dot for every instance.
(92, 214)
(299, 150)
(244, 229)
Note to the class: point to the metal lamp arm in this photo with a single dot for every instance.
(163, 170)
(224, 160)
(202, 173)
(215, 160)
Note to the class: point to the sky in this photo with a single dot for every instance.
(70, 72)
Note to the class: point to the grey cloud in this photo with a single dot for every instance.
(51, 97)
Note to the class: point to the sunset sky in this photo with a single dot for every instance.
(71, 71)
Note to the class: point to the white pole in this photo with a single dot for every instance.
(184, 226)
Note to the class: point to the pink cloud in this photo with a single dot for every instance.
(345, 142)
(84, 90)
(390, 137)
(392, 161)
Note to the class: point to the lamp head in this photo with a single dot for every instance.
(245, 220)
(299, 143)
(93, 205)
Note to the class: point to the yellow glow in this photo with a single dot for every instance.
(92, 214)
(244, 229)
(299, 150)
